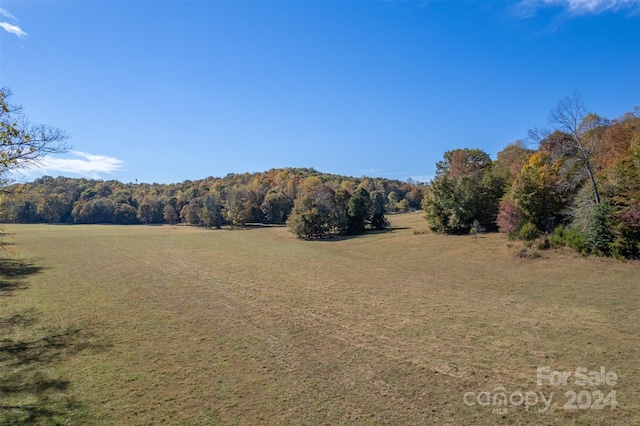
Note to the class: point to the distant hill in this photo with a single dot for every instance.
(238, 197)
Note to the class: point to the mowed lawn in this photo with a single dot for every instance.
(180, 325)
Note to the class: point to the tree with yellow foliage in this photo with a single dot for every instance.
(537, 192)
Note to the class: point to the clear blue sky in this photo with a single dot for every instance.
(165, 91)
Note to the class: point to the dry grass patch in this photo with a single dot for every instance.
(187, 326)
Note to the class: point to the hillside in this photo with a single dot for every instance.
(239, 198)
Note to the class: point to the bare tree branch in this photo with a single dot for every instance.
(572, 117)
(23, 143)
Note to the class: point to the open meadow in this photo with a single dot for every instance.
(182, 325)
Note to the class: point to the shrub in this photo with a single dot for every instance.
(544, 244)
(476, 229)
(570, 237)
(509, 219)
(528, 233)
(574, 239)
(627, 234)
(558, 238)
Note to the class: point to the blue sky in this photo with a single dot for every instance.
(165, 91)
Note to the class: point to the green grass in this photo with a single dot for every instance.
(152, 325)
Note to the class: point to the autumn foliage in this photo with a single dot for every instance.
(584, 176)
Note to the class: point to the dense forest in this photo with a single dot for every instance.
(316, 204)
(579, 186)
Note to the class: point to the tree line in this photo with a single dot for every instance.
(579, 185)
(314, 204)
(272, 197)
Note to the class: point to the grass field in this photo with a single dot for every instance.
(161, 325)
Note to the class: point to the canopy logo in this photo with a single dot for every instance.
(593, 399)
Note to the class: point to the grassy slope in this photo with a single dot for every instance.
(144, 325)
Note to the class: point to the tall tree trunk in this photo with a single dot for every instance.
(596, 194)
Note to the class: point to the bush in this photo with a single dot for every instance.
(557, 239)
(574, 239)
(570, 237)
(544, 244)
(626, 244)
(528, 233)
(509, 219)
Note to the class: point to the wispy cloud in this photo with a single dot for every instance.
(6, 14)
(582, 7)
(83, 164)
(9, 27)
(13, 29)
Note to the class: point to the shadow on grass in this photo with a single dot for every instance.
(13, 273)
(247, 226)
(6, 239)
(30, 390)
(368, 232)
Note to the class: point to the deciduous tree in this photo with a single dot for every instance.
(169, 214)
(359, 211)
(464, 189)
(23, 143)
(584, 130)
(276, 207)
(378, 209)
(313, 214)
(537, 194)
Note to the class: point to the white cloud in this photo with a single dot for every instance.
(13, 29)
(83, 164)
(596, 6)
(584, 7)
(6, 14)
